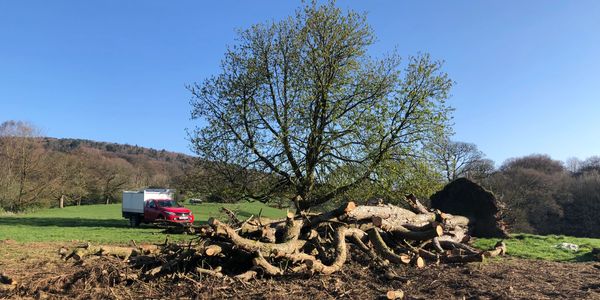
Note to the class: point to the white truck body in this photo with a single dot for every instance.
(134, 201)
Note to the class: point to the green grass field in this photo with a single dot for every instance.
(544, 247)
(104, 224)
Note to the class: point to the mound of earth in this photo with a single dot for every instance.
(467, 198)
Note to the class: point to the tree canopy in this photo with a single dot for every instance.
(300, 100)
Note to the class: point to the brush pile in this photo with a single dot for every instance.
(305, 244)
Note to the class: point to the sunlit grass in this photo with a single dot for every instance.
(104, 223)
(544, 247)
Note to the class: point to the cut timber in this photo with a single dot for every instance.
(292, 228)
(212, 250)
(428, 255)
(499, 249)
(252, 246)
(213, 273)
(416, 205)
(382, 249)
(360, 239)
(390, 212)
(436, 244)
(343, 210)
(267, 267)
(340, 256)
(418, 262)
(120, 252)
(396, 294)
(455, 245)
(402, 232)
(246, 276)
(454, 220)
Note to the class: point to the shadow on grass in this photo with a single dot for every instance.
(77, 222)
(583, 257)
(64, 222)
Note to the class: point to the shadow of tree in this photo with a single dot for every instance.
(64, 222)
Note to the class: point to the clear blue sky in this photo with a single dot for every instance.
(527, 72)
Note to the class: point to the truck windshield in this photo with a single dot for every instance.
(167, 203)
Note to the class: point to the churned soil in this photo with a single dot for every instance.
(37, 272)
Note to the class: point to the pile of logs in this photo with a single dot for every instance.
(307, 243)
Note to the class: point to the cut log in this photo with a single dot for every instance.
(382, 249)
(252, 246)
(401, 232)
(212, 250)
(446, 244)
(436, 244)
(416, 205)
(499, 249)
(246, 276)
(292, 228)
(120, 252)
(395, 294)
(417, 261)
(428, 255)
(340, 256)
(268, 268)
(342, 210)
(213, 273)
(399, 216)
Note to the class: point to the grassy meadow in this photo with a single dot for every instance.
(544, 247)
(104, 223)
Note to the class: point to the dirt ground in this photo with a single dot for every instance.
(40, 274)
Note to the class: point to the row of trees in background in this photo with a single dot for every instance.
(45, 172)
(541, 195)
(547, 196)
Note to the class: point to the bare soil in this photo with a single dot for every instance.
(40, 274)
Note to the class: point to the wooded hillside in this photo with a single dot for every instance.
(40, 171)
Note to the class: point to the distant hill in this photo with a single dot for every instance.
(44, 172)
(125, 151)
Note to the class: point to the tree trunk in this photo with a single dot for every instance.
(62, 201)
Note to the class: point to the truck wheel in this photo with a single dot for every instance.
(134, 221)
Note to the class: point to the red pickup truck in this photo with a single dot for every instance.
(152, 205)
(168, 210)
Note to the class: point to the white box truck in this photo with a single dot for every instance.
(150, 205)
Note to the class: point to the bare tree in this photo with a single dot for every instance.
(458, 159)
(23, 158)
(573, 164)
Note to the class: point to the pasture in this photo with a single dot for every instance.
(104, 224)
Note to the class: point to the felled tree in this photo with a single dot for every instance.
(300, 98)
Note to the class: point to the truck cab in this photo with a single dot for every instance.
(153, 205)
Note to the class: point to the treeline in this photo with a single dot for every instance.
(546, 196)
(45, 172)
(540, 195)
